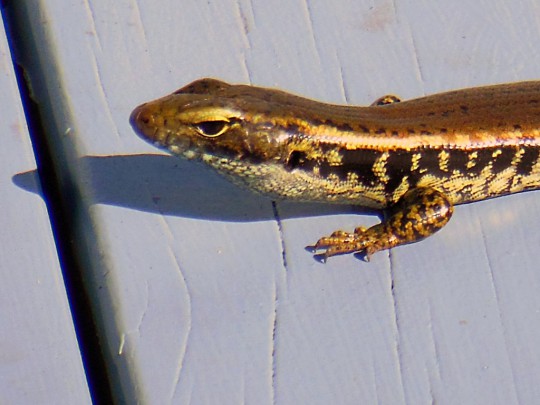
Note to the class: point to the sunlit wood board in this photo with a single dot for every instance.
(206, 292)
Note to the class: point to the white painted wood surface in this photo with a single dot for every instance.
(205, 296)
(40, 361)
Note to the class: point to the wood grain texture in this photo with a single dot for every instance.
(206, 291)
(40, 361)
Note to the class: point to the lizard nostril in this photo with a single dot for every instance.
(143, 121)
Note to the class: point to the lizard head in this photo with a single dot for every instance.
(211, 120)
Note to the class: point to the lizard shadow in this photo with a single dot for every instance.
(172, 186)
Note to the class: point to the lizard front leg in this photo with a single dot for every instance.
(418, 214)
(385, 100)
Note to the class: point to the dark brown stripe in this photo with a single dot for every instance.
(428, 163)
(528, 160)
(398, 165)
(503, 160)
(458, 160)
(484, 157)
(359, 162)
(298, 160)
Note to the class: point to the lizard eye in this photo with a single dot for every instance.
(211, 128)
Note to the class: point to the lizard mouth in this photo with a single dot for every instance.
(150, 125)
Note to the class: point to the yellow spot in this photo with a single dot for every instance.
(486, 174)
(472, 160)
(332, 177)
(443, 160)
(535, 169)
(415, 161)
(333, 157)
(379, 167)
(517, 157)
(516, 183)
(311, 151)
(496, 153)
(401, 189)
(352, 177)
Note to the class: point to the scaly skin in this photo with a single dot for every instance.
(414, 158)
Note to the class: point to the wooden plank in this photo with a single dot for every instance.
(40, 360)
(206, 292)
